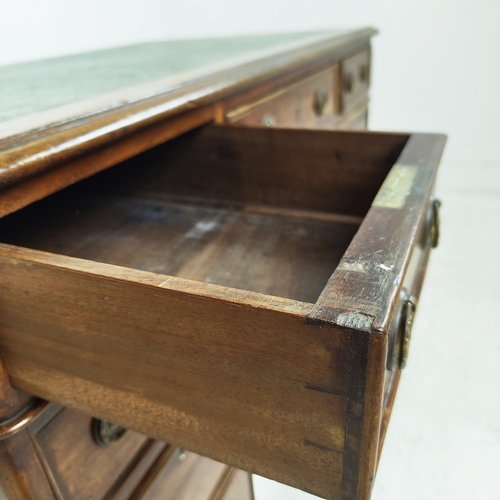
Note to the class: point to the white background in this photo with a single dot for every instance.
(436, 68)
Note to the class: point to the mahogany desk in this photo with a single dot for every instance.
(196, 246)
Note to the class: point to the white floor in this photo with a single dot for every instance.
(443, 441)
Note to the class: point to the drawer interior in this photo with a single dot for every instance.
(264, 210)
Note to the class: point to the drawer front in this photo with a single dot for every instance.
(239, 487)
(355, 119)
(355, 79)
(359, 122)
(400, 332)
(186, 476)
(79, 468)
(302, 105)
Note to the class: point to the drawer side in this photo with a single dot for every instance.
(236, 376)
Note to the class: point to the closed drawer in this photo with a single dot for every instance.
(80, 468)
(186, 476)
(233, 290)
(304, 104)
(237, 485)
(356, 120)
(355, 79)
(177, 474)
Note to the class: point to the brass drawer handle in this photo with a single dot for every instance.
(348, 82)
(363, 73)
(400, 332)
(105, 433)
(409, 309)
(320, 101)
(432, 225)
(435, 223)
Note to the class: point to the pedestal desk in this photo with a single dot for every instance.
(208, 269)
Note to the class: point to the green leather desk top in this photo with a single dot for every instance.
(32, 87)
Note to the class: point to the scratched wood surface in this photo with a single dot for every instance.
(362, 292)
(389, 251)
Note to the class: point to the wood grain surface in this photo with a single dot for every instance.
(229, 374)
(320, 170)
(293, 106)
(290, 257)
(78, 167)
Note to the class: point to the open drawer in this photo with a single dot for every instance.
(246, 293)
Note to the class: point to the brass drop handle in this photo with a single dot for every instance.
(399, 337)
(320, 101)
(409, 309)
(105, 433)
(363, 73)
(435, 223)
